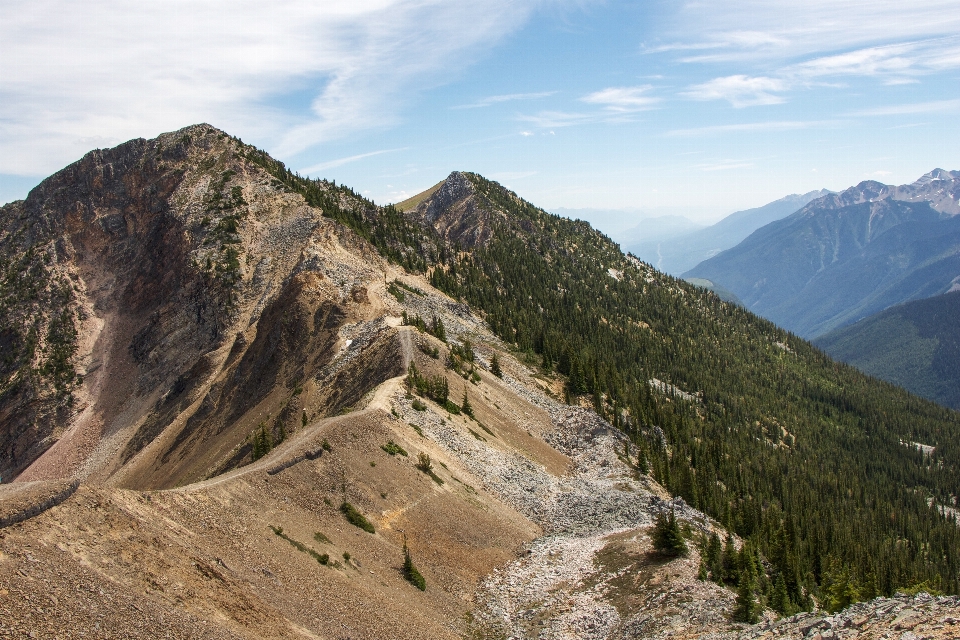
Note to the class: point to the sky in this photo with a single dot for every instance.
(684, 108)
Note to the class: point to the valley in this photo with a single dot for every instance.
(238, 403)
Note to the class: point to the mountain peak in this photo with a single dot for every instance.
(455, 210)
(940, 188)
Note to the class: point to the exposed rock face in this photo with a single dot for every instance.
(455, 212)
(208, 310)
(184, 278)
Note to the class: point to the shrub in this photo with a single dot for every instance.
(356, 518)
(393, 448)
(418, 406)
(425, 465)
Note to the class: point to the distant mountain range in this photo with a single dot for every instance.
(846, 256)
(914, 345)
(679, 252)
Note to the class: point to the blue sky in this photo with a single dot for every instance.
(694, 108)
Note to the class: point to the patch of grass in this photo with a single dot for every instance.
(393, 448)
(326, 445)
(356, 518)
(322, 539)
(418, 405)
(417, 429)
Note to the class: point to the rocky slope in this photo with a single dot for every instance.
(205, 369)
(849, 255)
(153, 295)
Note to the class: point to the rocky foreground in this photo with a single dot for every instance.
(151, 502)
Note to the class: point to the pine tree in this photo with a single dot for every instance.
(466, 407)
(437, 329)
(729, 561)
(410, 571)
(747, 610)
(495, 366)
(667, 538)
(779, 599)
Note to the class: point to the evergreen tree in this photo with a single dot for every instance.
(410, 571)
(667, 538)
(465, 406)
(495, 366)
(729, 561)
(779, 599)
(747, 610)
(437, 329)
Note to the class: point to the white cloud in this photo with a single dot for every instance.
(70, 71)
(783, 125)
(787, 30)
(491, 100)
(916, 107)
(739, 90)
(622, 99)
(557, 119)
(801, 43)
(342, 161)
(894, 64)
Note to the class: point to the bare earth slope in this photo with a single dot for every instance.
(187, 279)
(212, 311)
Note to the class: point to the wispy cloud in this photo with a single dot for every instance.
(330, 164)
(782, 125)
(109, 68)
(786, 30)
(739, 90)
(557, 119)
(623, 99)
(916, 107)
(510, 97)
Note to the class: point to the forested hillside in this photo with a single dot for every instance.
(914, 345)
(810, 460)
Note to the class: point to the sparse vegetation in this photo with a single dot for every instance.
(322, 558)
(410, 571)
(356, 518)
(393, 448)
(425, 465)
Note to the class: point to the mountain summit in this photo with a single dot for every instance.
(239, 403)
(848, 255)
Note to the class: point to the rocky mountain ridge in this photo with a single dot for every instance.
(849, 255)
(254, 451)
